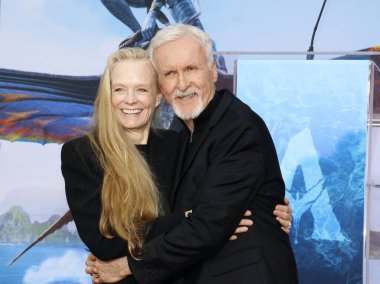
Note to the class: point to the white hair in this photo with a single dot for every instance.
(177, 31)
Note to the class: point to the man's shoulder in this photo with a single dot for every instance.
(238, 110)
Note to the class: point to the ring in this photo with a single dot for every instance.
(290, 225)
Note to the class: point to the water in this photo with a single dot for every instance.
(43, 264)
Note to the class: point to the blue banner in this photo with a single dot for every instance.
(316, 112)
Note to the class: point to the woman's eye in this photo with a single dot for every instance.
(118, 91)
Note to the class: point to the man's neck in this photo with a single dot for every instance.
(190, 124)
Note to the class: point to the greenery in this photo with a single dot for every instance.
(16, 228)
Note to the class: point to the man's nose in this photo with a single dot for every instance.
(183, 82)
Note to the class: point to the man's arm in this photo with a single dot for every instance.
(117, 269)
(233, 178)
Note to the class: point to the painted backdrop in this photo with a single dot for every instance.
(316, 112)
(51, 55)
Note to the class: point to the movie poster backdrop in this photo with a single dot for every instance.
(48, 86)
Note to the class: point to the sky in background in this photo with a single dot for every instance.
(73, 37)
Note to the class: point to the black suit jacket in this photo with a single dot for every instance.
(232, 167)
(83, 177)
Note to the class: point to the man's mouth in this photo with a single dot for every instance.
(186, 96)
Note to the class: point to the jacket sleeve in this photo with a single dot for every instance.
(233, 178)
(83, 179)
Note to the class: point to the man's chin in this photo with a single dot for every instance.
(186, 115)
(187, 110)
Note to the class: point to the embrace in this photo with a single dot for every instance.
(193, 206)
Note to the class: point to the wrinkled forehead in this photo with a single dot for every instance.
(184, 50)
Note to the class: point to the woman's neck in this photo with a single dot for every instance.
(139, 137)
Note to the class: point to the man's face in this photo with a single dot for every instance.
(186, 80)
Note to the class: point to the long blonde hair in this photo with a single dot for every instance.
(129, 196)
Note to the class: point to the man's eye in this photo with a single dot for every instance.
(191, 68)
(141, 90)
(169, 73)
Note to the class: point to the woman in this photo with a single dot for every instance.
(112, 174)
(110, 189)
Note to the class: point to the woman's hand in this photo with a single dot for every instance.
(107, 271)
(283, 215)
(241, 228)
(244, 224)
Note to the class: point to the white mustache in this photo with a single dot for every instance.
(189, 91)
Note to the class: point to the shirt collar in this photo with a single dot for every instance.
(201, 121)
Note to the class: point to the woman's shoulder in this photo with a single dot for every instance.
(78, 140)
(80, 144)
(79, 151)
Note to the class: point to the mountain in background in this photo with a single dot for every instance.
(16, 228)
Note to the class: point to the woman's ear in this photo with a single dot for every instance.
(158, 99)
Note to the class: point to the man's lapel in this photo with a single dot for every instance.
(193, 151)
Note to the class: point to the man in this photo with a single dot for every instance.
(230, 165)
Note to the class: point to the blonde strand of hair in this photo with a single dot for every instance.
(130, 199)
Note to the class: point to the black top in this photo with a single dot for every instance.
(83, 177)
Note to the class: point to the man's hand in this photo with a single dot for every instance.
(283, 215)
(243, 225)
(107, 271)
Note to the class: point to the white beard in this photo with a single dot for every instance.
(195, 113)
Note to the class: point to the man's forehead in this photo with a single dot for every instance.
(177, 54)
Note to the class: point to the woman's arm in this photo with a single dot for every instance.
(83, 178)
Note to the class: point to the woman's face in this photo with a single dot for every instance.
(134, 94)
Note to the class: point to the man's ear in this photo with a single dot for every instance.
(158, 99)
